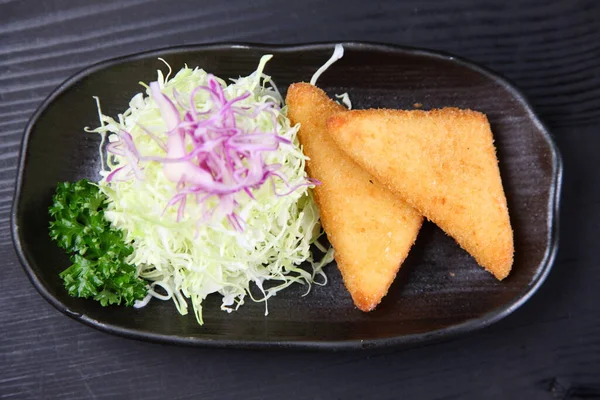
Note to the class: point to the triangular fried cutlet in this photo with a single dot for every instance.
(370, 228)
(442, 162)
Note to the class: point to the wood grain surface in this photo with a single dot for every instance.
(548, 349)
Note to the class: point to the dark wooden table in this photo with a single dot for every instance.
(548, 349)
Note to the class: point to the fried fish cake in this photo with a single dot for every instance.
(370, 228)
(442, 162)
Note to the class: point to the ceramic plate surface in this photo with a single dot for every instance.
(439, 292)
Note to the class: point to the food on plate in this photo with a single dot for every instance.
(442, 162)
(209, 187)
(98, 252)
(371, 229)
(205, 184)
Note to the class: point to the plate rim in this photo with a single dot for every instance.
(471, 325)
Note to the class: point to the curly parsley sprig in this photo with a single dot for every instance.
(99, 270)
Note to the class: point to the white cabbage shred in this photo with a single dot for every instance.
(186, 261)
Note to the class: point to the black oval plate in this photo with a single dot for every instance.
(440, 291)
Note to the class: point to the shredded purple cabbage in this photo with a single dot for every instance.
(207, 154)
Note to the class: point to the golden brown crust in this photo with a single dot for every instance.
(370, 228)
(442, 162)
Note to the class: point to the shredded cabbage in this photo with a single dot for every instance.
(338, 52)
(185, 260)
(345, 99)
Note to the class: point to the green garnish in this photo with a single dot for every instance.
(99, 270)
